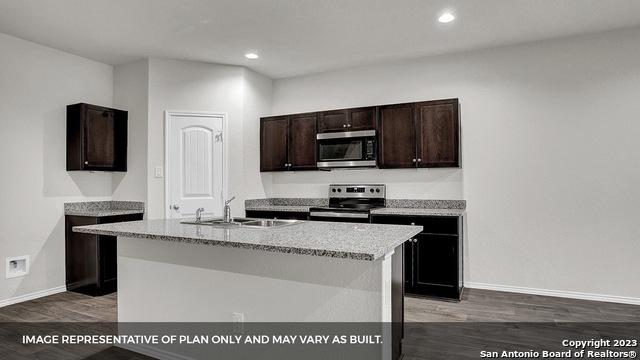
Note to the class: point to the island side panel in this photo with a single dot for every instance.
(167, 281)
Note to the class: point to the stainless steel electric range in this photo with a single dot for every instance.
(350, 203)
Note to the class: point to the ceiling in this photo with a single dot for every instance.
(295, 37)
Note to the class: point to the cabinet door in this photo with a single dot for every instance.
(302, 141)
(435, 265)
(332, 121)
(273, 143)
(397, 136)
(99, 138)
(408, 266)
(362, 119)
(437, 133)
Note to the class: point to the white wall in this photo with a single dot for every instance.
(551, 166)
(36, 84)
(197, 86)
(131, 93)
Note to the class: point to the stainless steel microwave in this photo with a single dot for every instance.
(347, 149)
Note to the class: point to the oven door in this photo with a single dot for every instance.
(339, 216)
(347, 149)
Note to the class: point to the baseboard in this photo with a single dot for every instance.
(153, 352)
(555, 293)
(33, 295)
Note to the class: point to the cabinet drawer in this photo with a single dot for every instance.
(431, 224)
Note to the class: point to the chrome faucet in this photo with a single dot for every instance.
(227, 211)
(199, 214)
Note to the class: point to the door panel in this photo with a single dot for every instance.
(437, 133)
(435, 262)
(273, 143)
(302, 141)
(362, 119)
(196, 165)
(332, 121)
(100, 138)
(397, 136)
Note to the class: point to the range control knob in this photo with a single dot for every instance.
(377, 190)
(333, 190)
(371, 189)
(339, 190)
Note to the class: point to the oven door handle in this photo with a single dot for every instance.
(335, 214)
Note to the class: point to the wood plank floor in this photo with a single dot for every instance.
(477, 306)
(492, 306)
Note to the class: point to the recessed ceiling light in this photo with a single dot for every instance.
(251, 56)
(446, 18)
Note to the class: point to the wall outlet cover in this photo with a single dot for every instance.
(159, 172)
(16, 266)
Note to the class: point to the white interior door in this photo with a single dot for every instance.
(195, 165)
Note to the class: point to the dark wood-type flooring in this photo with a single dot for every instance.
(477, 306)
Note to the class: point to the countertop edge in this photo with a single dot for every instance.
(280, 249)
(103, 213)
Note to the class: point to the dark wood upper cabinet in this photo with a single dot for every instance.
(362, 119)
(96, 138)
(288, 142)
(412, 135)
(355, 119)
(397, 146)
(424, 134)
(302, 141)
(437, 133)
(332, 121)
(273, 143)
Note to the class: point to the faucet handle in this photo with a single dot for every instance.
(228, 201)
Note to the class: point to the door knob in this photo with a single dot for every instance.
(175, 207)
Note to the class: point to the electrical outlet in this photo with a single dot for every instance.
(17, 266)
(159, 172)
(238, 322)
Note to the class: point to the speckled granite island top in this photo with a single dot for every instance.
(341, 240)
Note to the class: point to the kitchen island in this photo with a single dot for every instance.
(305, 272)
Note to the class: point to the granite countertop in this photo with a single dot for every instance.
(103, 208)
(340, 240)
(288, 208)
(418, 211)
(394, 206)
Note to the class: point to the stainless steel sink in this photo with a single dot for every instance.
(243, 222)
(267, 223)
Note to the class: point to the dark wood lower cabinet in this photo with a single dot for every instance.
(433, 258)
(286, 215)
(91, 260)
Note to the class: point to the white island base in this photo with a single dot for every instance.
(163, 281)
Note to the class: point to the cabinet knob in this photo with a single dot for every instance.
(414, 160)
(419, 160)
(86, 163)
(415, 240)
(344, 125)
(413, 223)
(348, 125)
